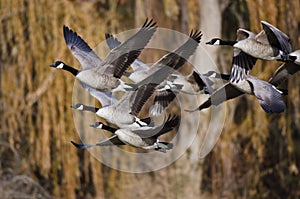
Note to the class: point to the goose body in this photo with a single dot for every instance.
(257, 49)
(142, 137)
(105, 98)
(105, 75)
(269, 97)
(269, 44)
(123, 113)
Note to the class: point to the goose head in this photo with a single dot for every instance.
(57, 64)
(214, 41)
(78, 106)
(97, 125)
(213, 74)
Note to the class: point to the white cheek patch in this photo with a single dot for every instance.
(100, 126)
(80, 107)
(217, 42)
(61, 65)
(213, 74)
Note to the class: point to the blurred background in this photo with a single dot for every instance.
(257, 155)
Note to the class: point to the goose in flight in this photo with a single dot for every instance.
(268, 96)
(192, 83)
(165, 66)
(269, 44)
(124, 113)
(141, 137)
(105, 75)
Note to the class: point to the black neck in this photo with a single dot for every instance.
(72, 70)
(108, 128)
(225, 76)
(227, 43)
(91, 109)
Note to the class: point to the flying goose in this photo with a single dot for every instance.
(105, 75)
(159, 71)
(269, 97)
(286, 70)
(269, 44)
(125, 112)
(142, 71)
(142, 137)
(105, 98)
(194, 83)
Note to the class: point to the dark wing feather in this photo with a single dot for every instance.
(242, 63)
(277, 38)
(162, 100)
(80, 49)
(140, 97)
(201, 81)
(285, 71)
(121, 57)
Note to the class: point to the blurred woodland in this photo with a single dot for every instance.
(257, 155)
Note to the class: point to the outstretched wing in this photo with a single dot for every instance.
(242, 63)
(122, 56)
(161, 101)
(277, 38)
(139, 98)
(113, 42)
(80, 49)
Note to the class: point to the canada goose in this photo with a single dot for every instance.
(286, 70)
(269, 97)
(142, 71)
(142, 137)
(105, 98)
(194, 83)
(124, 113)
(269, 44)
(105, 75)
